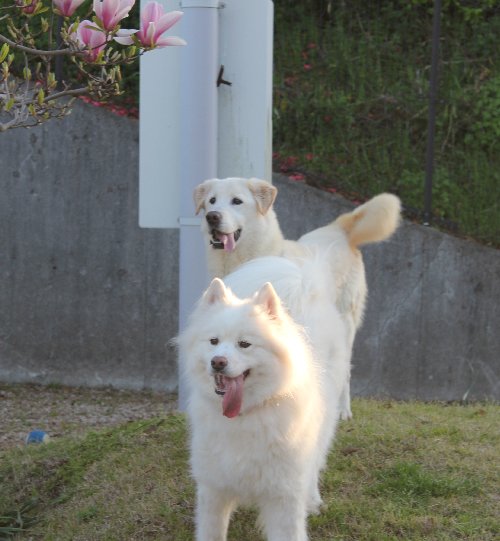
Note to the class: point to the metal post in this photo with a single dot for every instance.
(198, 145)
(429, 159)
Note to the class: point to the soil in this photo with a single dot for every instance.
(62, 411)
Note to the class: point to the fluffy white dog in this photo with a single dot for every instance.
(240, 225)
(262, 401)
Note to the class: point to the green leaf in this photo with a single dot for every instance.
(4, 51)
(99, 23)
(51, 80)
(41, 96)
(45, 24)
(9, 104)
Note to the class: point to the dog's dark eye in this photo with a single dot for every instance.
(212, 200)
(236, 201)
(244, 344)
(214, 341)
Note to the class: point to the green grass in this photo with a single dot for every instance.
(397, 471)
(351, 104)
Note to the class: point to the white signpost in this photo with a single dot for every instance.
(205, 111)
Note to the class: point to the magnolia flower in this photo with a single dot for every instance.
(67, 7)
(111, 12)
(94, 40)
(154, 22)
(27, 7)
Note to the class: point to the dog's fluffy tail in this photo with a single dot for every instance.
(374, 221)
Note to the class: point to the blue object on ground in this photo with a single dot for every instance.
(37, 436)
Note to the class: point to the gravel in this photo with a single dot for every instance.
(62, 411)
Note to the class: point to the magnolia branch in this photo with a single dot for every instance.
(51, 97)
(70, 92)
(39, 52)
(30, 95)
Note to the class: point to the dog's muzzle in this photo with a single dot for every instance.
(216, 243)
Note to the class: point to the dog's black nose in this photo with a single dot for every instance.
(213, 218)
(219, 363)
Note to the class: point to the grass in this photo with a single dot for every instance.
(351, 105)
(397, 471)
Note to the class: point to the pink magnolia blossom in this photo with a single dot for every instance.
(67, 7)
(154, 22)
(94, 40)
(27, 7)
(111, 12)
(124, 36)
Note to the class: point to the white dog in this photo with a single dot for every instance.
(240, 225)
(262, 403)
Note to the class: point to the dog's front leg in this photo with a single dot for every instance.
(345, 400)
(284, 518)
(213, 511)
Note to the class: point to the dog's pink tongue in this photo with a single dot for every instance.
(233, 397)
(228, 241)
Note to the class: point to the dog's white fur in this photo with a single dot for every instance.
(261, 233)
(271, 453)
(374, 221)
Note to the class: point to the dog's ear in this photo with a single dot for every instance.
(269, 300)
(216, 292)
(199, 196)
(263, 192)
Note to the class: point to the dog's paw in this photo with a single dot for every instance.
(345, 414)
(315, 508)
(315, 503)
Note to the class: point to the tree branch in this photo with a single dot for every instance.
(63, 93)
(40, 52)
(51, 97)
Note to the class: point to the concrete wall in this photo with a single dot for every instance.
(432, 324)
(88, 298)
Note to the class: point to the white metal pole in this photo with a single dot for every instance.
(198, 148)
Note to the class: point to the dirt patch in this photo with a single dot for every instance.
(62, 411)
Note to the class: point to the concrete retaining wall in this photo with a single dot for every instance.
(88, 298)
(432, 324)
